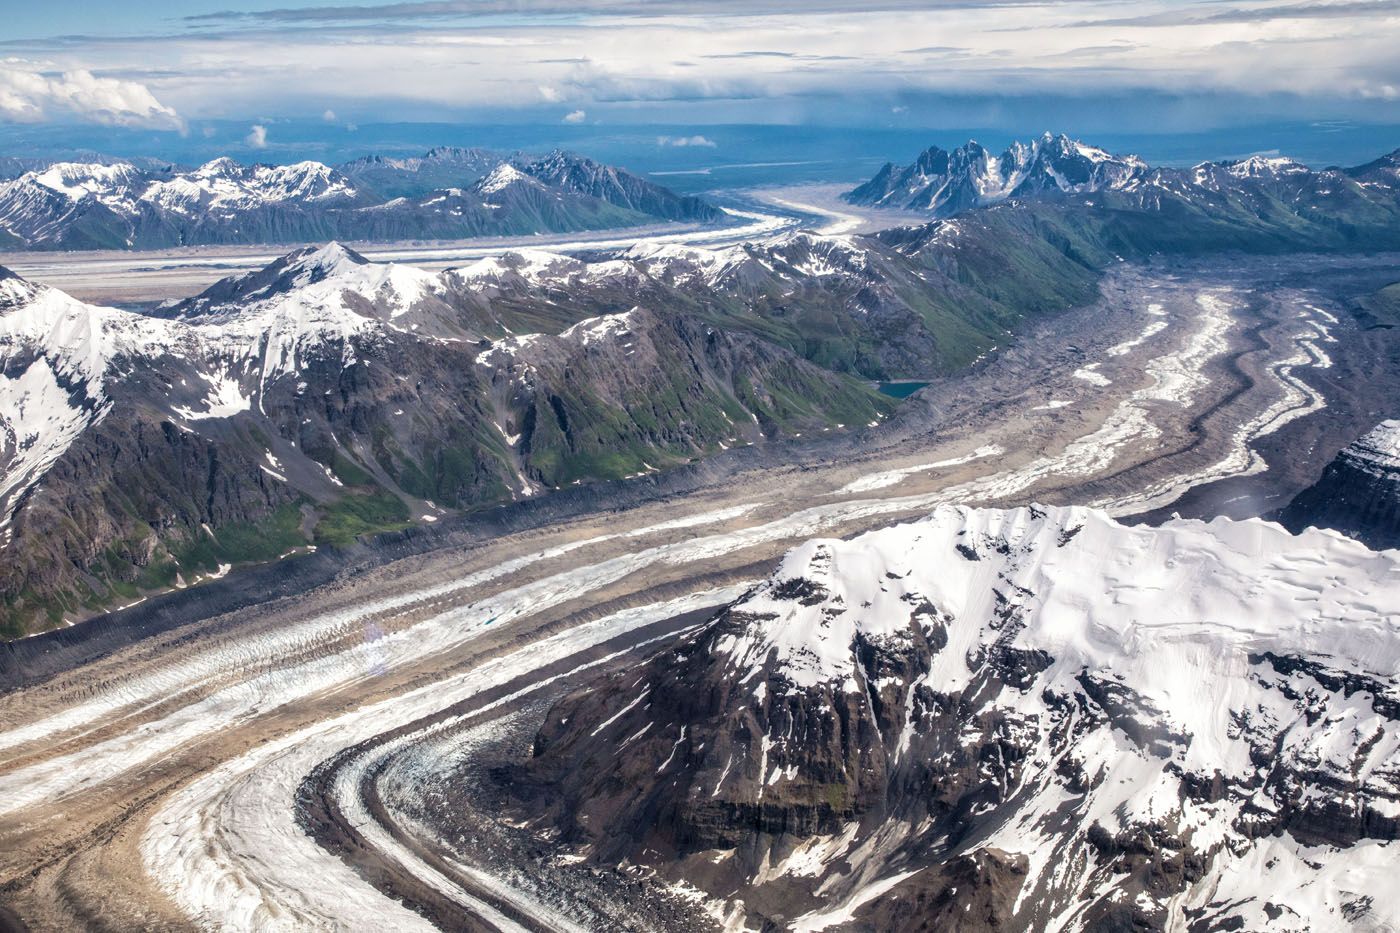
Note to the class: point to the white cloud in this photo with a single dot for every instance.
(709, 63)
(257, 137)
(329, 115)
(578, 116)
(28, 95)
(696, 140)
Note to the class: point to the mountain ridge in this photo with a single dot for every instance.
(72, 205)
(326, 396)
(945, 183)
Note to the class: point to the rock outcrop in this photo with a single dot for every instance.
(1359, 492)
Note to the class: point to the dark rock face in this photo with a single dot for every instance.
(840, 740)
(617, 186)
(1358, 494)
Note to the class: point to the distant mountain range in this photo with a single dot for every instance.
(945, 182)
(445, 194)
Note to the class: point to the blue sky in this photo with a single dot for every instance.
(178, 67)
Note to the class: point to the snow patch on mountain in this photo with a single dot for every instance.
(224, 400)
(607, 327)
(39, 420)
(532, 265)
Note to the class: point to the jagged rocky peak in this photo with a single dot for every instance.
(297, 269)
(1026, 719)
(582, 175)
(1379, 450)
(973, 176)
(1358, 493)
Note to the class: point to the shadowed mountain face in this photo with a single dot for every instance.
(446, 194)
(1007, 720)
(1358, 494)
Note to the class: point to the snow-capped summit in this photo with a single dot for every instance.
(501, 177)
(222, 167)
(973, 176)
(78, 180)
(313, 263)
(224, 186)
(80, 341)
(1257, 166)
(303, 181)
(299, 268)
(309, 297)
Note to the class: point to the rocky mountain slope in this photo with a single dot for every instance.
(1009, 720)
(324, 396)
(445, 194)
(1359, 492)
(414, 176)
(1247, 192)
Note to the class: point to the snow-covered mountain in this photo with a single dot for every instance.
(1015, 720)
(328, 394)
(223, 186)
(973, 176)
(72, 205)
(1055, 167)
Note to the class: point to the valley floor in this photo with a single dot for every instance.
(285, 765)
(120, 277)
